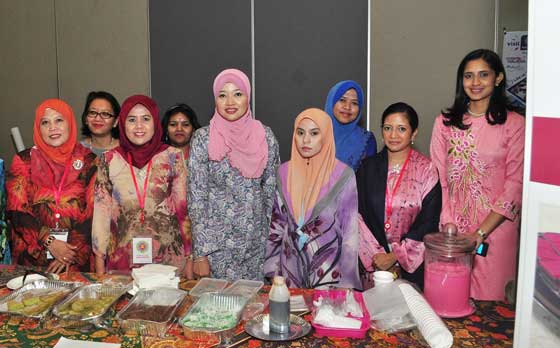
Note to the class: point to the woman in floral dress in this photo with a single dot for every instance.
(232, 166)
(314, 236)
(477, 146)
(140, 197)
(50, 194)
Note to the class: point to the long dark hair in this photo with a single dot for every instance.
(175, 109)
(114, 105)
(498, 107)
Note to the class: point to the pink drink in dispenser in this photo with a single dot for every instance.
(447, 272)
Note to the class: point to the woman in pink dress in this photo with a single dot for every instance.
(477, 146)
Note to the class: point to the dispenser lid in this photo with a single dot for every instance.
(449, 242)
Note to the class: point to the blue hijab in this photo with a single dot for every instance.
(350, 139)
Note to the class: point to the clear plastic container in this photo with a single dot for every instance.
(208, 285)
(151, 311)
(244, 288)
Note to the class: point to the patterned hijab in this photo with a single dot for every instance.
(140, 154)
(306, 177)
(350, 138)
(243, 141)
(62, 153)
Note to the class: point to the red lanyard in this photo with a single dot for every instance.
(389, 195)
(141, 199)
(58, 192)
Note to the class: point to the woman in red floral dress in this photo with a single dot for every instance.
(50, 194)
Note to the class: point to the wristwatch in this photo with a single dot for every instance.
(481, 233)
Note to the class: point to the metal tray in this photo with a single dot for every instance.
(94, 291)
(227, 304)
(158, 305)
(53, 285)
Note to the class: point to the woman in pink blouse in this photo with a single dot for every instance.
(399, 198)
(477, 146)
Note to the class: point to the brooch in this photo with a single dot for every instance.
(78, 164)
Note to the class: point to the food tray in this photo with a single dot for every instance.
(213, 305)
(208, 285)
(336, 332)
(151, 311)
(244, 288)
(97, 293)
(31, 290)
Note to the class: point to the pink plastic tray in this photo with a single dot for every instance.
(334, 332)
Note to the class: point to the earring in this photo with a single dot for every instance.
(412, 142)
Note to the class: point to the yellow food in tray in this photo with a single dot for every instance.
(86, 307)
(35, 302)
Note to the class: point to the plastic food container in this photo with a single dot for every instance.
(213, 317)
(244, 288)
(88, 304)
(151, 311)
(208, 285)
(336, 332)
(35, 299)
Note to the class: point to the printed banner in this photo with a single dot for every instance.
(514, 57)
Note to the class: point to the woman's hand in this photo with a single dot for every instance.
(475, 237)
(189, 269)
(201, 267)
(384, 261)
(63, 252)
(57, 267)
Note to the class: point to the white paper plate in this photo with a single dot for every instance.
(16, 283)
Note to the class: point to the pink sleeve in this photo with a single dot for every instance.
(368, 245)
(409, 253)
(508, 203)
(438, 153)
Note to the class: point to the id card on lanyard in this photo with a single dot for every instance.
(142, 247)
(57, 232)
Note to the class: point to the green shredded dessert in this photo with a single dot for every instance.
(210, 318)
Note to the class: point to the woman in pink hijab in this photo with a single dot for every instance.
(232, 182)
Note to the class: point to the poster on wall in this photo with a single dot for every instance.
(514, 57)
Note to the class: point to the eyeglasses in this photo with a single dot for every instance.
(104, 114)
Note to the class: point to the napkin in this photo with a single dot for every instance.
(67, 343)
(155, 275)
(431, 326)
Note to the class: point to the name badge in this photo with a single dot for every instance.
(59, 234)
(141, 250)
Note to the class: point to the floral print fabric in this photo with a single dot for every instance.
(116, 219)
(230, 213)
(481, 170)
(330, 255)
(31, 207)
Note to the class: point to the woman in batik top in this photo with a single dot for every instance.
(399, 198)
(232, 179)
(140, 197)
(344, 105)
(477, 146)
(50, 194)
(313, 239)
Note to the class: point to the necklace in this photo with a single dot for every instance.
(474, 113)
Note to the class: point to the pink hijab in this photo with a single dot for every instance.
(242, 141)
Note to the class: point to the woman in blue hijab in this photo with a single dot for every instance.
(344, 106)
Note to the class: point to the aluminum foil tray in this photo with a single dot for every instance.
(101, 296)
(213, 317)
(151, 311)
(39, 289)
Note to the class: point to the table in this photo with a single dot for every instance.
(490, 326)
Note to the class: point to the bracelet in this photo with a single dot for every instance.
(481, 233)
(199, 259)
(49, 241)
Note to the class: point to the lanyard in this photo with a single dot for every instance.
(141, 199)
(390, 195)
(58, 192)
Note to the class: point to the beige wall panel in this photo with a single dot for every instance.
(102, 45)
(28, 61)
(416, 48)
